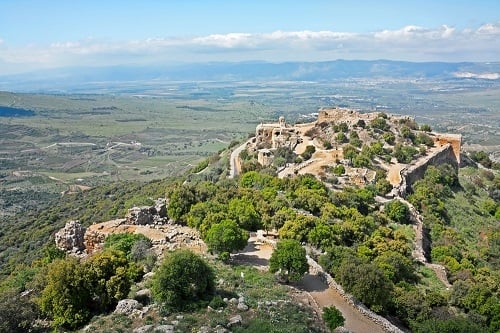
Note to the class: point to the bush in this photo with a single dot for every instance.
(397, 211)
(289, 257)
(338, 170)
(17, 313)
(125, 242)
(76, 289)
(333, 317)
(226, 236)
(217, 302)
(182, 280)
(307, 154)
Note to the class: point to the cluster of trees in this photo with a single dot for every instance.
(366, 250)
(68, 290)
(483, 158)
(475, 278)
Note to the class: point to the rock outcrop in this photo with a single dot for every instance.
(145, 215)
(71, 237)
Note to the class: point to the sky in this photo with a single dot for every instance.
(50, 34)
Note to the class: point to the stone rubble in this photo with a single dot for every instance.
(71, 237)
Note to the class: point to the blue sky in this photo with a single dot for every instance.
(45, 34)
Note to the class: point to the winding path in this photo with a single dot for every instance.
(233, 159)
(257, 254)
(419, 252)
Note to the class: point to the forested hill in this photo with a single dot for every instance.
(364, 242)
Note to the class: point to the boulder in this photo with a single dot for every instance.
(161, 207)
(141, 215)
(143, 329)
(71, 237)
(236, 320)
(127, 306)
(143, 296)
(242, 307)
(164, 329)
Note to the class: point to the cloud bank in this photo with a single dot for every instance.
(412, 43)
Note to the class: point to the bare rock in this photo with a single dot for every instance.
(165, 329)
(127, 306)
(94, 240)
(143, 329)
(141, 215)
(236, 320)
(143, 296)
(242, 306)
(204, 329)
(70, 238)
(161, 207)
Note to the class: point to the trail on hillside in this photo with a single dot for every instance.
(257, 254)
(418, 252)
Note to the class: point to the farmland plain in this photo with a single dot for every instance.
(144, 130)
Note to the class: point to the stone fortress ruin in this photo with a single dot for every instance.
(445, 148)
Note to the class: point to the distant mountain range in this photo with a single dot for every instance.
(74, 77)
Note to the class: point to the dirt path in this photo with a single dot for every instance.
(257, 254)
(325, 296)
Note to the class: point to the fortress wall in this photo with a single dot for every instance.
(455, 140)
(415, 172)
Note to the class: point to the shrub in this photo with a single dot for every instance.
(289, 257)
(333, 317)
(226, 236)
(307, 154)
(125, 242)
(182, 280)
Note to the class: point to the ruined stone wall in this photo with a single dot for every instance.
(412, 173)
(455, 140)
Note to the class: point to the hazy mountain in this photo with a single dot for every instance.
(75, 77)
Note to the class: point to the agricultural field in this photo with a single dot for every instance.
(101, 133)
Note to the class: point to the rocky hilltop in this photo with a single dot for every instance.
(347, 147)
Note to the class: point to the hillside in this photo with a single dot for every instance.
(327, 184)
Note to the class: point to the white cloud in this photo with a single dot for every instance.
(411, 43)
(489, 29)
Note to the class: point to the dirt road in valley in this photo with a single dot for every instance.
(257, 254)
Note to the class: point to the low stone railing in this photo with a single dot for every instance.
(316, 269)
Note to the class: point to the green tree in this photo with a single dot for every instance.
(225, 237)
(338, 170)
(389, 138)
(333, 317)
(180, 201)
(396, 266)
(182, 280)
(354, 139)
(383, 186)
(66, 298)
(379, 123)
(404, 154)
(307, 154)
(17, 313)
(289, 258)
(243, 211)
(397, 211)
(367, 283)
(425, 128)
(124, 242)
(108, 277)
(341, 137)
